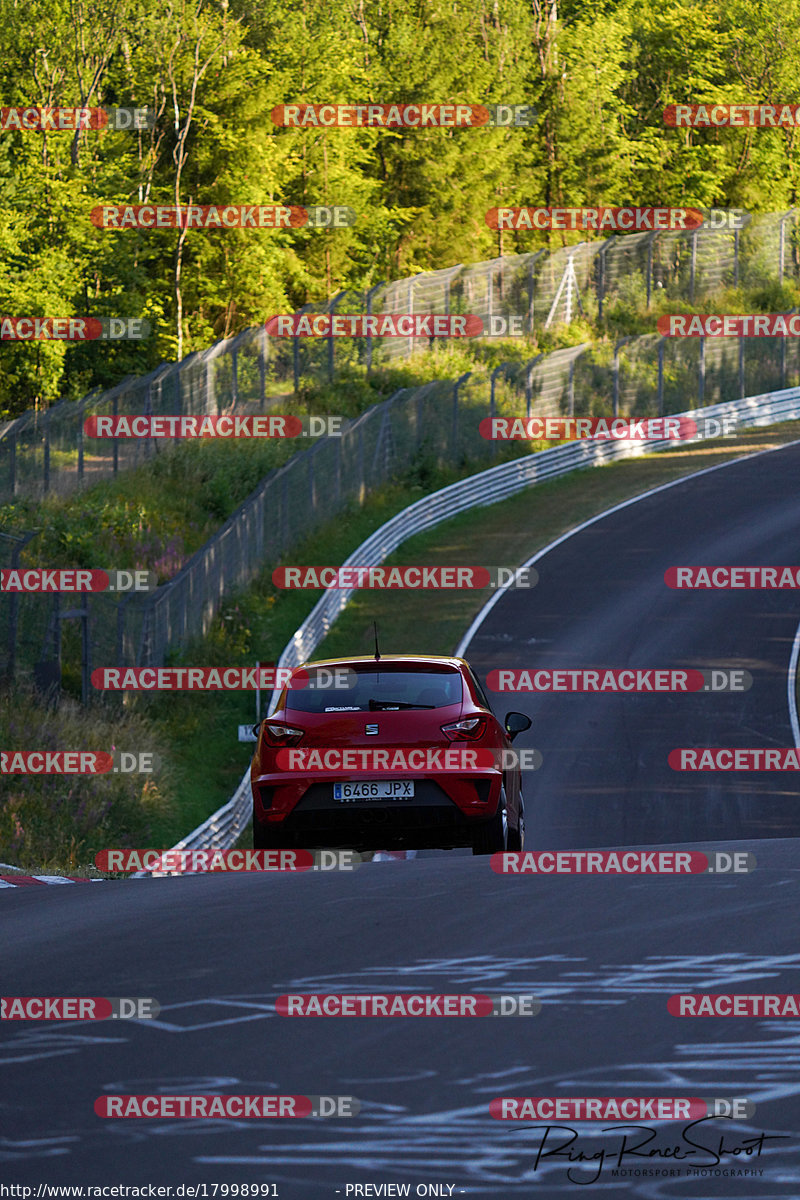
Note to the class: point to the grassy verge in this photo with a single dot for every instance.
(55, 824)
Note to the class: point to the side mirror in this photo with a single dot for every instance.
(516, 723)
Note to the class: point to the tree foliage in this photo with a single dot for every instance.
(599, 73)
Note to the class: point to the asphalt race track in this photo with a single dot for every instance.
(601, 600)
(602, 953)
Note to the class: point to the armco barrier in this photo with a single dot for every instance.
(222, 829)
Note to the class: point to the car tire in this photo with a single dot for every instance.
(516, 837)
(491, 837)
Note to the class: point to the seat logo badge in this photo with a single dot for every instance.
(371, 729)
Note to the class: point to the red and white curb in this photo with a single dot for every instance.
(13, 881)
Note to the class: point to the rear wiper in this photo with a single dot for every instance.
(383, 705)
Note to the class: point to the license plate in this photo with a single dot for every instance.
(382, 789)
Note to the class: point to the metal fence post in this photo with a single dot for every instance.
(86, 668)
(46, 479)
(617, 345)
(661, 377)
(115, 441)
(701, 374)
(338, 472)
(693, 267)
(121, 612)
(781, 248)
(285, 509)
(531, 289)
(361, 480)
(529, 383)
(736, 258)
(148, 408)
(492, 407)
(210, 402)
(332, 310)
(456, 387)
(21, 541)
(263, 351)
(12, 462)
(409, 343)
(370, 294)
(234, 374)
(741, 368)
(601, 275)
(81, 415)
(296, 353)
(650, 242)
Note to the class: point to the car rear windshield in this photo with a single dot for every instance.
(381, 691)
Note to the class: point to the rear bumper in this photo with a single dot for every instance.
(433, 818)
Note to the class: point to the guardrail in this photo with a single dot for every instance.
(222, 829)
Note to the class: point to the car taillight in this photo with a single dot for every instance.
(468, 730)
(278, 734)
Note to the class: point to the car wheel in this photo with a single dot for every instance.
(516, 837)
(491, 837)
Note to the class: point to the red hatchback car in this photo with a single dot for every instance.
(325, 771)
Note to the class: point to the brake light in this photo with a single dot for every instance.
(278, 734)
(468, 730)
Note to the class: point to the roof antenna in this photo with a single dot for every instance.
(377, 651)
